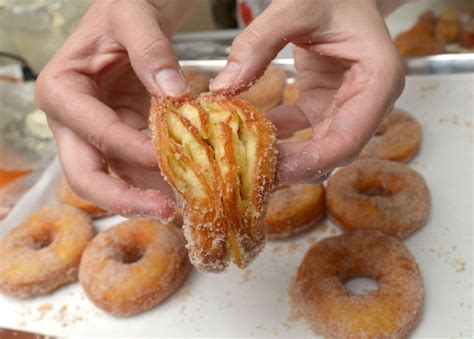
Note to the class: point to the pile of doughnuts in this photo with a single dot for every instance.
(219, 155)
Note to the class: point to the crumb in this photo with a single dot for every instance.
(277, 250)
(247, 276)
(429, 88)
(294, 247)
(459, 265)
(260, 327)
(323, 227)
(43, 309)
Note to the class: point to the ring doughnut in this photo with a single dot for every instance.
(133, 266)
(219, 154)
(43, 252)
(391, 311)
(67, 196)
(293, 209)
(380, 195)
(398, 138)
(198, 81)
(267, 92)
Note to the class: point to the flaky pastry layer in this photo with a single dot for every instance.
(219, 154)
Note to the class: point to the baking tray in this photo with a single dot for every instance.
(434, 64)
(254, 301)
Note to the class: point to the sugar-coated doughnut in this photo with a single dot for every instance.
(382, 195)
(391, 311)
(67, 196)
(294, 208)
(219, 154)
(398, 138)
(134, 266)
(267, 92)
(43, 252)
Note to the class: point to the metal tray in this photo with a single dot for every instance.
(435, 64)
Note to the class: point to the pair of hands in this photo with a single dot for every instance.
(96, 91)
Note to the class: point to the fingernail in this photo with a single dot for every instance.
(171, 82)
(226, 77)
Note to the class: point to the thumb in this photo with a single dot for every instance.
(136, 27)
(253, 49)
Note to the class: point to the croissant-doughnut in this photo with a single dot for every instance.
(219, 154)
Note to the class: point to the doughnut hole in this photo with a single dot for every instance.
(361, 285)
(130, 253)
(378, 185)
(42, 237)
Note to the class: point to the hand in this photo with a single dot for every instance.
(94, 92)
(348, 71)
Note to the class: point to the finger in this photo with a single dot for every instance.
(342, 139)
(89, 179)
(287, 119)
(136, 26)
(139, 177)
(76, 108)
(256, 46)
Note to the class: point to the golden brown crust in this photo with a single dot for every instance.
(391, 311)
(134, 266)
(381, 195)
(219, 155)
(448, 26)
(398, 138)
(43, 252)
(268, 90)
(466, 38)
(294, 208)
(420, 39)
(67, 196)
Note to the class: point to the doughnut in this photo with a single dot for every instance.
(420, 39)
(293, 209)
(198, 81)
(43, 252)
(133, 266)
(448, 26)
(267, 92)
(290, 93)
(398, 138)
(380, 195)
(219, 155)
(391, 311)
(466, 39)
(67, 196)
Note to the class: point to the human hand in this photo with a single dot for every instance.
(348, 71)
(95, 94)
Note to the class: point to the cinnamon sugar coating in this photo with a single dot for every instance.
(382, 195)
(391, 311)
(43, 252)
(134, 266)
